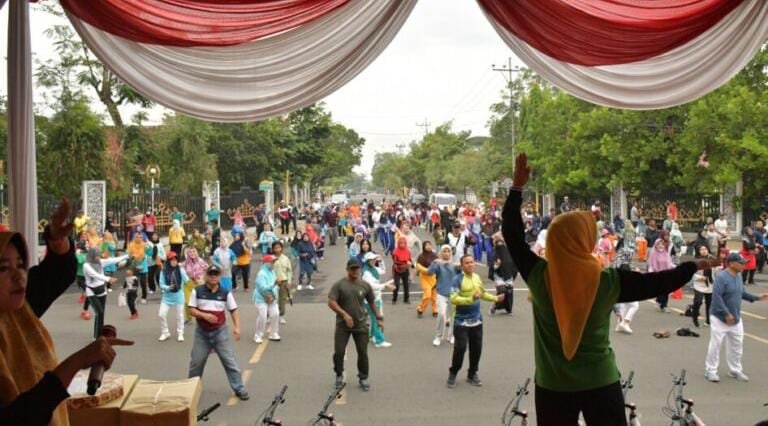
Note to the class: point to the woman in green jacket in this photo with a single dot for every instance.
(572, 298)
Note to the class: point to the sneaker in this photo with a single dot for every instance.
(143, 301)
(150, 291)
(696, 323)
(282, 320)
(134, 316)
(309, 287)
(109, 290)
(383, 345)
(712, 377)
(624, 328)
(274, 337)
(452, 340)
(246, 290)
(492, 311)
(243, 396)
(258, 340)
(364, 385)
(436, 342)
(180, 338)
(339, 381)
(434, 314)
(739, 376)
(419, 314)
(474, 380)
(85, 315)
(299, 287)
(164, 337)
(451, 382)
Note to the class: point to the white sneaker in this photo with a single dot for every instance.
(274, 337)
(383, 345)
(624, 328)
(143, 301)
(299, 287)
(109, 290)
(309, 287)
(164, 337)
(258, 340)
(739, 376)
(282, 320)
(180, 338)
(712, 377)
(436, 342)
(452, 340)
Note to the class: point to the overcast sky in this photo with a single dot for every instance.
(438, 68)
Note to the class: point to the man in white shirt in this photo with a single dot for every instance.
(721, 226)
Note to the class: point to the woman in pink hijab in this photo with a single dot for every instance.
(660, 260)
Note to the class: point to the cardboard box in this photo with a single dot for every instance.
(158, 403)
(105, 414)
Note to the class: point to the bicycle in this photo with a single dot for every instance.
(513, 408)
(203, 416)
(324, 418)
(267, 417)
(681, 411)
(633, 416)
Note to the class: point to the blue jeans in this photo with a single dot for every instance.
(218, 340)
(488, 247)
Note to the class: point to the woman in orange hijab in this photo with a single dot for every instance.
(32, 383)
(572, 298)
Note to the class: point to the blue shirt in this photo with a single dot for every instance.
(265, 285)
(727, 294)
(445, 272)
(172, 297)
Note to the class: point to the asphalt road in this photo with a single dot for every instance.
(408, 379)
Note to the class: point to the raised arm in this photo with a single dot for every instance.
(637, 286)
(513, 230)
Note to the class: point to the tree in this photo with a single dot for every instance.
(183, 148)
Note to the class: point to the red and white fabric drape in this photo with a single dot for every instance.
(237, 60)
(631, 53)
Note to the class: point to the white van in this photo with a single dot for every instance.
(442, 199)
(340, 197)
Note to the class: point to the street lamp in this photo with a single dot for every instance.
(153, 172)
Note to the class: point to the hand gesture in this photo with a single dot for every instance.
(100, 351)
(269, 299)
(522, 171)
(500, 298)
(730, 320)
(381, 324)
(763, 296)
(60, 228)
(349, 321)
(476, 295)
(236, 333)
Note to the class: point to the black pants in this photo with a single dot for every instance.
(131, 296)
(285, 226)
(244, 271)
(601, 407)
(698, 297)
(143, 283)
(152, 278)
(663, 300)
(472, 336)
(81, 283)
(99, 304)
(509, 297)
(760, 259)
(748, 277)
(176, 248)
(340, 340)
(403, 278)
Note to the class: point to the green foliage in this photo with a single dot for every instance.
(70, 149)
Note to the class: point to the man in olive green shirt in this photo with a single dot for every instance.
(283, 274)
(347, 298)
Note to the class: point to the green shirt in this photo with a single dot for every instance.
(178, 216)
(213, 215)
(351, 297)
(80, 256)
(283, 269)
(594, 364)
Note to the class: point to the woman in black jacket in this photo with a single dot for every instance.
(32, 383)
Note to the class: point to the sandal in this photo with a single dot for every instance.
(663, 334)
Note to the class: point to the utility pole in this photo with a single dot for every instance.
(400, 148)
(425, 125)
(508, 71)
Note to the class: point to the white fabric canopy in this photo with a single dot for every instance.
(258, 79)
(674, 78)
(22, 166)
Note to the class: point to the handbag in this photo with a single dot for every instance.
(121, 300)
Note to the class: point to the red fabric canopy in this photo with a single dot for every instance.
(607, 32)
(198, 22)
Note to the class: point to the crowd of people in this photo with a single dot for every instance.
(197, 272)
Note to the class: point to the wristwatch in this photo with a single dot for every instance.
(380, 318)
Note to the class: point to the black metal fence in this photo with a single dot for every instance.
(693, 209)
(191, 206)
(246, 199)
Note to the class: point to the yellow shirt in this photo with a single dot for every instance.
(176, 237)
(426, 279)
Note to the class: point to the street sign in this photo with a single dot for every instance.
(266, 185)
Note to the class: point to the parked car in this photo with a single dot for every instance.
(442, 199)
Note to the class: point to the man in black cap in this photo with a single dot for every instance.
(208, 304)
(347, 298)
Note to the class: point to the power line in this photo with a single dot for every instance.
(425, 125)
(508, 71)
